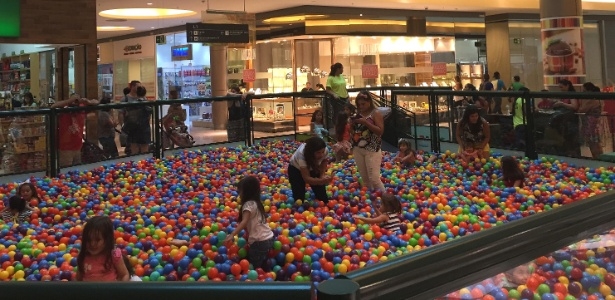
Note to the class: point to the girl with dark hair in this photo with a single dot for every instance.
(343, 147)
(17, 211)
(317, 125)
(473, 132)
(309, 165)
(512, 174)
(253, 219)
(388, 216)
(99, 259)
(28, 100)
(336, 84)
(27, 191)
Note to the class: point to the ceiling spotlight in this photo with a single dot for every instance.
(149, 3)
(360, 15)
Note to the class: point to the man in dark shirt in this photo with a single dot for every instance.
(307, 88)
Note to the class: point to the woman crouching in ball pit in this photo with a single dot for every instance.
(309, 165)
(253, 219)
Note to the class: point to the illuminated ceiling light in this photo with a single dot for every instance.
(149, 3)
(114, 28)
(293, 19)
(146, 13)
(600, 1)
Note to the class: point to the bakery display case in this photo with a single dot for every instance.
(273, 114)
(471, 72)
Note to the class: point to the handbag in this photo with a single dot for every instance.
(123, 138)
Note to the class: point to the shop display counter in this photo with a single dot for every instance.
(305, 109)
(273, 114)
(24, 141)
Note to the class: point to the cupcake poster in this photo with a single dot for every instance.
(563, 51)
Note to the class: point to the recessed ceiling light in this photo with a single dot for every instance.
(149, 3)
(360, 15)
(152, 27)
(114, 28)
(146, 13)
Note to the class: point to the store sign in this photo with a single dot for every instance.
(248, 54)
(439, 69)
(10, 18)
(369, 71)
(136, 48)
(249, 75)
(217, 33)
(132, 49)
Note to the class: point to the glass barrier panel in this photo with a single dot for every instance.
(584, 270)
(275, 116)
(24, 144)
(305, 109)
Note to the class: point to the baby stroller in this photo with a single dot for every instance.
(175, 133)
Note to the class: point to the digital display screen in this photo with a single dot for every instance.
(182, 52)
(10, 18)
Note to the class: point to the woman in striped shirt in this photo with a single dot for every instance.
(389, 216)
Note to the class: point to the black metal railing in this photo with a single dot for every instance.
(419, 114)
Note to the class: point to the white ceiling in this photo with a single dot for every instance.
(257, 6)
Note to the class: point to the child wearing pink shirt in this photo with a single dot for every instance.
(98, 258)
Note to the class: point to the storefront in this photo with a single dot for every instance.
(185, 68)
(134, 59)
(26, 68)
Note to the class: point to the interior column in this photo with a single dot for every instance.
(561, 24)
(498, 47)
(218, 61)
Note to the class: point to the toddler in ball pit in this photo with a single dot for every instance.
(470, 153)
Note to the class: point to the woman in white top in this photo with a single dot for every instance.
(309, 165)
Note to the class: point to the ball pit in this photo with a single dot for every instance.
(585, 270)
(191, 197)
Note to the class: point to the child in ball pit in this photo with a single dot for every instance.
(512, 175)
(253, 219)
(27, 191)
(388, 216)
(99, 259)
(406, 156)
(17, 211)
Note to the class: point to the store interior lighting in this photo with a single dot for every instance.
(146, 13)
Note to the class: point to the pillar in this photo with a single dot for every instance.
(561, 24)
(498, 47)
(218, 62)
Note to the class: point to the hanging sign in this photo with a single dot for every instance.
(439, 69)
(249, 75)
(369, 71)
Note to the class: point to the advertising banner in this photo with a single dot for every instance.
(562, 50)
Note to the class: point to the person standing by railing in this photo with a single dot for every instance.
(70, 130)
(566, 122)
(590, 120)
(368, 127)
(498, 85)
(336, 84)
